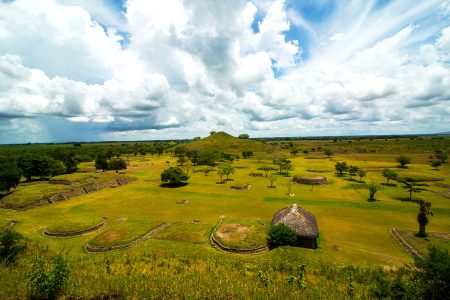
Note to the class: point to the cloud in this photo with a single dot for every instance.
(191, 66)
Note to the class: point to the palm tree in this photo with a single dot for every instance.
(422, 217)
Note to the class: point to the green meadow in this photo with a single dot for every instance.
(353, 232)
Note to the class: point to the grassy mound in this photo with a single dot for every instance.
(222, 141)
(123, 233)
(421, 244)
(30, 195)
(242, 234)
(77, 225)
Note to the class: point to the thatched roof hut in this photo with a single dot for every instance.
(302, 222)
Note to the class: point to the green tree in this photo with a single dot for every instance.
(57, 168)
(389, 174)
(181, 160)
(411, 185)
(11, 245)
(174, 176)
(373, 188)
(117, 164)
(247, 154)
(422, 217)
(272, 179)
(226, 169)
(341, 168)
(266, 169)
(10, 174)
(35, 165)
(361, 173)
(328, 152)
(403, 161)
(101, 162)
(352, 170)
(281, 235)
(244, 136)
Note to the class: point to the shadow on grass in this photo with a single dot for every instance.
(171, 185)
(229, 179)
(406, 199)
(389, 184)
(373, 200)
(271, 187)
(2, 195)
(221, 182)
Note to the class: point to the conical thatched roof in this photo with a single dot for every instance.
(303, 223)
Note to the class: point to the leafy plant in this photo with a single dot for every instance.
(11, 245)
(281, 235)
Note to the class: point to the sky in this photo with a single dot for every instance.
(85, 70)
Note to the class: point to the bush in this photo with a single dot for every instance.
(281, 235)
(117, 164)
(47, 282)
(9, 174)
(11, 245)
(403, 161)
(174, 176)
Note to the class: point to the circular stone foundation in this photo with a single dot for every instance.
(311, 180)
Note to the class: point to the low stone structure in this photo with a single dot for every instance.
(311, 180)
(302, 222)
(241, 187)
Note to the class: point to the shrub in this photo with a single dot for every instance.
(117, 164)
(403, 161)
(281, 235)
(174, 176)
(47, 282)
(11, 245)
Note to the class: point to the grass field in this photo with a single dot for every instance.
(352, 231)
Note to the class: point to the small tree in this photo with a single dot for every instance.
(11, 245)
(117, 164)
(247, 154)
(101, 163)
(403, 161)
(174, 176)
(227, 169)
(352, 170)
(328, 152)
(436, 164)
(422, 218)
(272, 180)
(181, 160)
(281, 235)
(389, 174)
(411, 185)
(361, 173)
(244, 136)
(207, 170)
(266, 169)
(341, 168)
(373, 188)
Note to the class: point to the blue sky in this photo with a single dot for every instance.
(82, 70)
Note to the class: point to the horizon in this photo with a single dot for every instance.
(136, 70)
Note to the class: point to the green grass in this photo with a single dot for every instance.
(32, 194)
(78, 224)
(422, 244)
(253, 236)
(123, 233)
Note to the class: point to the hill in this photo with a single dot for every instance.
(222, 141)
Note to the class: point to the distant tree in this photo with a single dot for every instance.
(352, 170)
(57, 168)
(328, 152)
(441, 156)
(361, 173)
(117, 164)
(259, 156)
(294, 151)
(341, 168)
(266, 169)
(207, 158)
(212, 132)
(247, 154)
(35, 165)
(283, 164)
(287, 167)
(180, 150)
(181, 160)
(389, 174)
(281, 235)
(229, 157)
(101, 162)
(226, 168)
(436, 164)
(403, 161)
(422, 218)
(220, 173)
(411, 185)
(244, 136)
(373, 188)
(305, 151)
(174, 176)
(207, 170)
(10, 174)
(272, 180)
(197, 138)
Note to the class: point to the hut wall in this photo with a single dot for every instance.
(306, 243)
